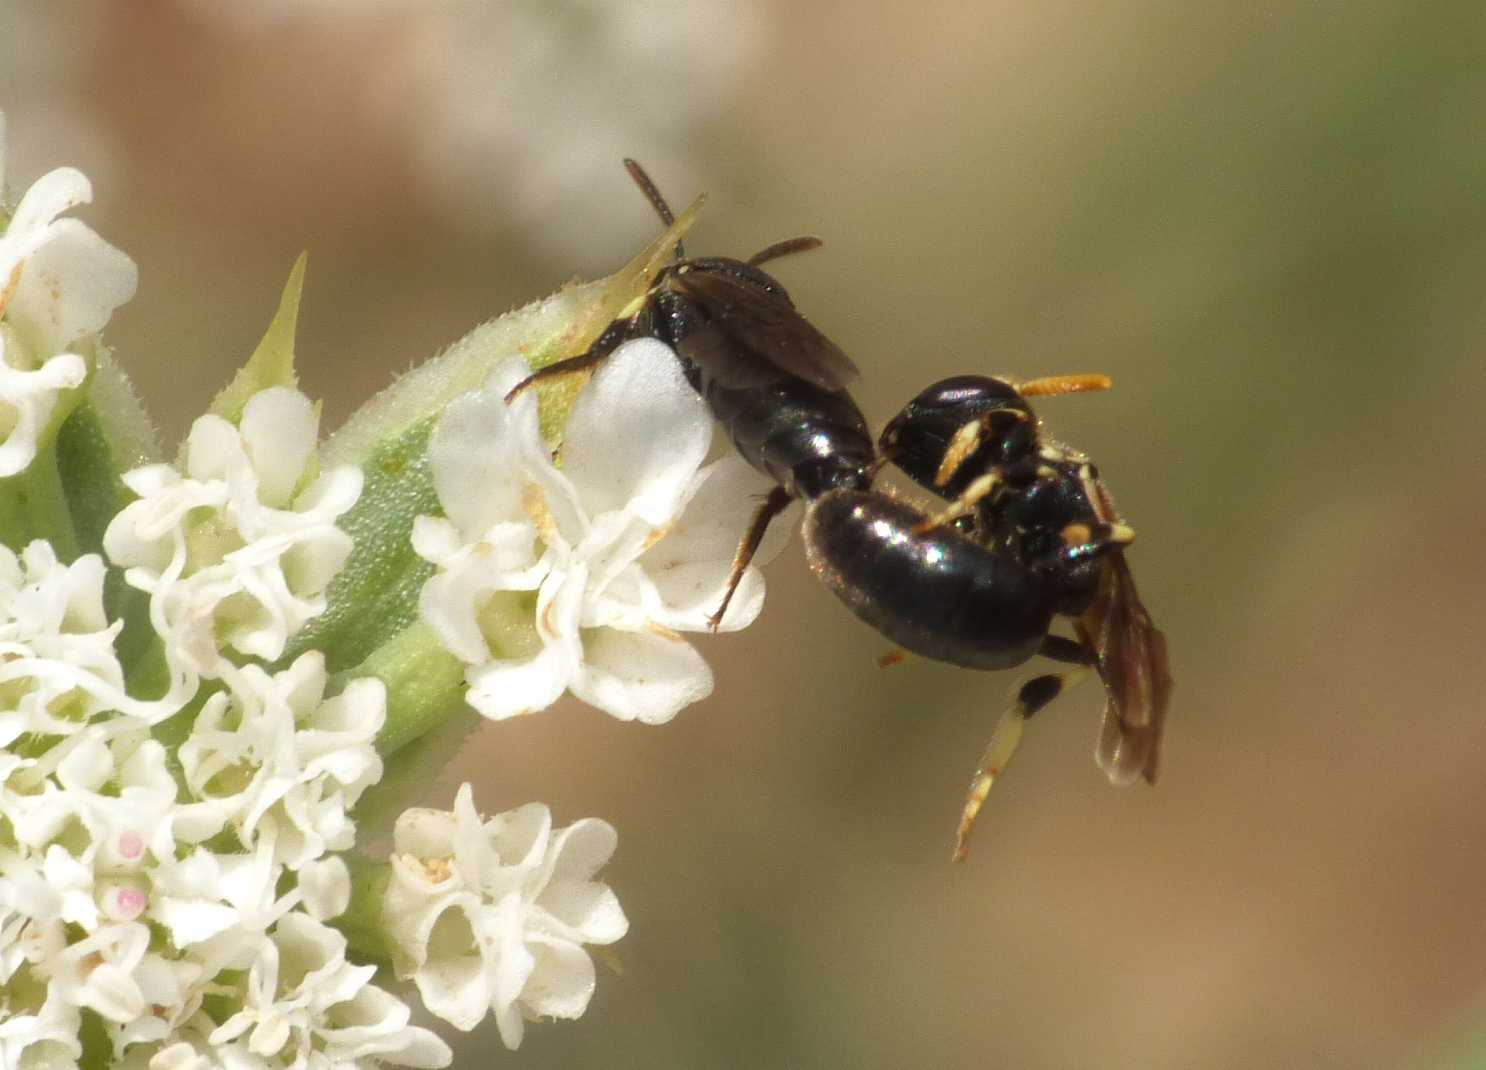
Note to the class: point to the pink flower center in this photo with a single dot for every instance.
(130, 902)
(131, 845)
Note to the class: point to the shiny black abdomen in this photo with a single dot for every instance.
(935, 593)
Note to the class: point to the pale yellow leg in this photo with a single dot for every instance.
(1004, 743)
(964, 505)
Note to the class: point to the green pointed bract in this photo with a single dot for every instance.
(132, 437)
(272, 363)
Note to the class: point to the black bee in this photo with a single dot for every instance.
(975, 441)
(1029, 534)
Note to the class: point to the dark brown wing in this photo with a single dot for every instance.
(744, 319)
(1131, 654)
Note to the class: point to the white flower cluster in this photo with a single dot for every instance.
(230, 550)
(113, 899)
(175, 881)
(59, 284)
(119, 896)
(607, 558)
(492, 916)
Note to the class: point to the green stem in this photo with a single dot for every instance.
(425, 685)
(362, 921)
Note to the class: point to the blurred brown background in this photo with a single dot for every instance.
(1267, 222)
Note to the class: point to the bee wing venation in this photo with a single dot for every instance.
(764, 325)
(1133, 665)
(713, 350)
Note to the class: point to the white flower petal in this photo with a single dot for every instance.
(453, 601)
(326, 886)
(453, 988)
(501, 689)
(32, 396)
(296, 762)
(255, 573)
(637, 434)
(475, 452)
(375, 1023)
(48, 197)
(279, 428)
(628, 499)
(641, 676)
(561, 981)
(424, 832)
(520, 838)
(491, 915)
(718, 514)
(213, 449)
(587, 910)
(70, 287)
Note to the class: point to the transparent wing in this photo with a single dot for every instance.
(775, 338)
(1132, 663)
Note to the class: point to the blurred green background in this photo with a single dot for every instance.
(1266, 221)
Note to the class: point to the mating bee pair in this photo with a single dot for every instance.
(1028, 532)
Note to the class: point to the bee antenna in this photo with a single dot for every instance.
(1055, 385)
(652, 194)
(803, 244)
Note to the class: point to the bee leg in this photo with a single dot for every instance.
(1061, 648)
(777, 501)
(1034, 695)
(640, 325)
(583, 364)
(964, 505)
